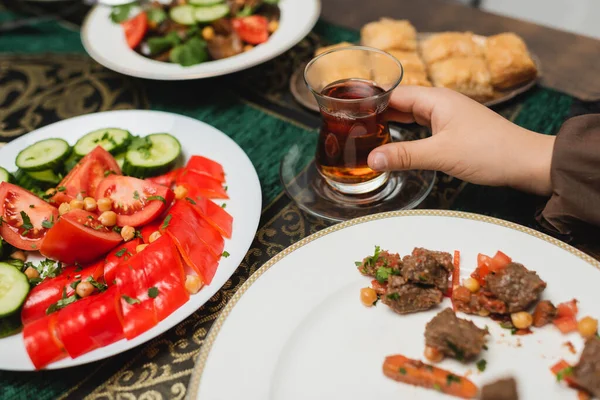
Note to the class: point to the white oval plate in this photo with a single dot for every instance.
(196, 138)
(297, 330)
(105, 42)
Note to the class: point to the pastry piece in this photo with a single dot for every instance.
(508, 61)
(337, 66)
(322, 50)
(415, 78)
(410, 60)
(443, 46)
(468, 76)
(387, 34)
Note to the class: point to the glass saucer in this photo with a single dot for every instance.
(307, 188)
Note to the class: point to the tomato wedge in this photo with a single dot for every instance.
(167, 179)
(136, 201)
(215, 215)
(201, 185)
(566, 316)
(77, 236)
(252, 29)
(118, 255)
(42, 343)
(23, 217)
(135, 29)
(206, 166)
(86, 175)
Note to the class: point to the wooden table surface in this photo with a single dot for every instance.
(569, 63)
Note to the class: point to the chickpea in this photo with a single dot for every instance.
(471, 284)
(180, 192)
(193, 284)
(76, 204)
(127, 233)
(521, 320)
(433, 354)
(19, 255)
(89, 204)
(483, 312)
(208, 33)
(108, 218)
(140, 247)
(248, 47)
(104, 204)
(51, 192)
(273, 26)
(154, 236)
(32, 273)
(64, 208)
(84, 289)
(587, 327)
(368, 296)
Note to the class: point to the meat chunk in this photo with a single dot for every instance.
(544, 313)
(453, 336)
(587, 372)
(404, 297)
(516, 286)
(428, 267)
(380, 259)
(223, 46)
(503, 389)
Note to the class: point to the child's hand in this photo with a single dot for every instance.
(469, 142)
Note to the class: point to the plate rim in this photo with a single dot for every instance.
(107, 63)
(213, 333)
(23, 138)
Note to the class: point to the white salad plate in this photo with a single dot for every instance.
(104, 41)
(196, 138)
(297, 330)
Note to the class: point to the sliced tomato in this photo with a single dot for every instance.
(86, 175)
(71, 326)
(118, 255)
(23, 215)
(201, 185)
(136, 201)
(41, 297)
(206, 166)
(103, 316)
(135, 29)
(215, 215)
(167, 179)
(252, 29)
(78, 236)
(500, 260)
(567, 309)
(42, 343)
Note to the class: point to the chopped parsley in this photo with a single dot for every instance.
(63, 302)
(48, 223)
(458, 353)
(48, 268)
(98, 285)
(142, 145)
(165, 223)
(358, 263)
(61, 188)
(191, 201)
(130, 300)
(223, 205)
(437, 387)
(372, 260)
(402, 370)
(106, 137)
(26, 222)
(79, 267)
(226, 188)
(560, 375)
(382, 274)
(31, 206)
(225, 254)
(393, 296)
(452, 378)
(485, 346)
(136, 195)
(153, 292)
(121, 252)
(159, 198)
(74, 284)
(481, 364)
(108, 172)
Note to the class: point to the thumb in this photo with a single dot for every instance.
(416, 154)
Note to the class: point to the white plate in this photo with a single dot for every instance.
(105, 43)
(297, 330)
(196, 138)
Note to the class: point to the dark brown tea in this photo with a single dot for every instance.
(350, 131)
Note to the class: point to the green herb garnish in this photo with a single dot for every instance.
(382, 274)
(153, 292)
(452, 378)
(393, 296)
(225, 254)
(26, 221)
(560, 375)
(48, 224)
(165, 223)
(190, 200)
(98, 285)
(481, 364)
(130, 300)
(159, 198)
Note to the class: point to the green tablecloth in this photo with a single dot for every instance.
(45, 76)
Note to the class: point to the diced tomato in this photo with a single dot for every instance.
(86, 175)
(205, 166)
(78, 236)
(103, 317)
(167, 179)
(380, 288)
(201, 185)
(23, 215)
(215, 215)
(562, 366)
(252, 29)
(72, 325)
(566, 324)
(118, 255)
(500, 260)
(567, 309)
(42, 343)
(136, 201)
(486, 264)
(135, 29)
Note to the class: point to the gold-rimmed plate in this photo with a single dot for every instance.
(297, 330)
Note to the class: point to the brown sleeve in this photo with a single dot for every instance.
(575, 174)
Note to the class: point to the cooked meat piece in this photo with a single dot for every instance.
(428, 268)
(371, 264)
(587, 372)
(222, 46)
(404, 297)
(223, 26)
(544, 313)
(270, 11)
(504, 389)
(453, 336)
(515, 285)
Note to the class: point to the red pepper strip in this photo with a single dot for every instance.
(455, 276)
(72, 324)
(42, 343)
(185, 220)
(103, 316)
(205, 166)
(41, 297)
(201, 185)
(74, 274)
(215, 215)
(167, 179)
(118, 255)
(149, 229)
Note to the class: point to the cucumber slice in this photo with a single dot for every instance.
(5, 175)
(45, 154)
(211, 13)
(14, 287)
(10, 325)
(120, 159)
(204, 2)
(151, 155)
(114, 140)
(183, 15)
(37, 179)
(70, 162)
